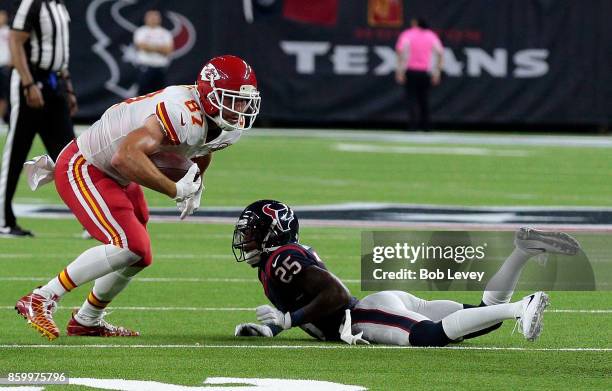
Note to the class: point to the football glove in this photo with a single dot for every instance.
(191, 204)
(187, 186)
(346, 334)
(253, 330)
(270, 316)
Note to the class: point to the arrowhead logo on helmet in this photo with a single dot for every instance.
(227, 87)
(209, 72)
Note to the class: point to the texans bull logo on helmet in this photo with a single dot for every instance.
(282, 215)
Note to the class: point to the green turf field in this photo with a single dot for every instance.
(187, 303)
(309, 170)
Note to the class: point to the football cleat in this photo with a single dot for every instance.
(38, 311)
(101, 329)
(530, 321)
(535, 242)
(15, 232)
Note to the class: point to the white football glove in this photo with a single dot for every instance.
(269, 316)
(253, 330)
(187, 186)
(191, 204)
(346, 334)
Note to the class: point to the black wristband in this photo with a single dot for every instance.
(275, 329)
(297, 317)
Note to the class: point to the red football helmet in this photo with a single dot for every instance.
(228, 92)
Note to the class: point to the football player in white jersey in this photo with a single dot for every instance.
(99, 176)
(305, 294)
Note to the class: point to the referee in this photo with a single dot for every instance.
(42, 98)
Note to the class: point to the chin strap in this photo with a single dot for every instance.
(253, 257)
(217, 120)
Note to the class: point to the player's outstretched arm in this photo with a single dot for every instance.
(131, 159)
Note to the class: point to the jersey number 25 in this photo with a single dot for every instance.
(287, 270)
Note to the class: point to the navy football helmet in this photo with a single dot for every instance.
(263, 226)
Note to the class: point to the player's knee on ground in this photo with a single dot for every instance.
(428, 333)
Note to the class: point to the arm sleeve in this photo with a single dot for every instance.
(26, 15)
(173, 119)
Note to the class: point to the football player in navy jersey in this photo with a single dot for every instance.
(305, 294)
(293, 276)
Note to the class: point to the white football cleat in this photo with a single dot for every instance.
(535, 242)
(530, 321)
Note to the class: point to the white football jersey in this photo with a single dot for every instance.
(180, 115)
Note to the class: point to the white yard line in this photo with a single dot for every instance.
(231, 309)
(573, 311)
(436, 138)
(378, 135)
(369, 224)
(294, 347)
(427, 150)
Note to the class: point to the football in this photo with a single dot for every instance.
(172, 165)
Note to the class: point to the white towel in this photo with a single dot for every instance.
(40, 171)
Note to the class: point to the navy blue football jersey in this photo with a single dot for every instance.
(277, 272)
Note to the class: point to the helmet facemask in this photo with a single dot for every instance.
(236, 109)
(246, 245)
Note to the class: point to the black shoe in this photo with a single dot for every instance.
(15, 232)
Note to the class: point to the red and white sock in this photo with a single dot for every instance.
(90, 265)
(105, 289)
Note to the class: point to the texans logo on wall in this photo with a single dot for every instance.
(112, 23)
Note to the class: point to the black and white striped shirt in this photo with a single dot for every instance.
(47, 22)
